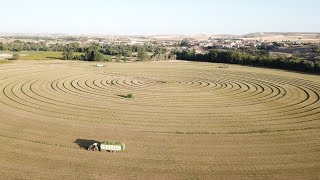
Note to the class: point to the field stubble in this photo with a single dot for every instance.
(186, 120)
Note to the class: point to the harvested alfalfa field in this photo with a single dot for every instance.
(185, 120)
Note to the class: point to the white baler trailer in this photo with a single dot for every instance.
(109, 146)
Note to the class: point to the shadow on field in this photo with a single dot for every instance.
(122, 96)
(85, 143)
(55, 58)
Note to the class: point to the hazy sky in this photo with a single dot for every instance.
(159, 16)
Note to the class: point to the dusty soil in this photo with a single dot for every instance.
(186, 121)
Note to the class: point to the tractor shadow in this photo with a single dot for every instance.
(85, 143)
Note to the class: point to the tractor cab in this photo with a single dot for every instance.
(93, 147)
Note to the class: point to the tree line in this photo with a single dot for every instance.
(97, 52)
(92, 52)
(18, 45)
(244, 58)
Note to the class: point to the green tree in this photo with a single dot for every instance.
(125, 59)
(92, 54)
(118, 57)
(184, 43)
(107, 58)
(317, 66)
(98, 56)
(142, 55)
(316, 49)
(67, 54)
(126, 52)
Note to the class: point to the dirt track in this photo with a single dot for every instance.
(186, 120)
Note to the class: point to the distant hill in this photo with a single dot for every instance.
(266, 36)
(284, 36)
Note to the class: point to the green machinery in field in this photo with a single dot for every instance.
(107, 146)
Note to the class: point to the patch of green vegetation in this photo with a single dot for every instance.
(130, 95)
(260, 58)
(39, 55)
(5, 61)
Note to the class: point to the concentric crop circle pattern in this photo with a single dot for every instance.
(182, 99)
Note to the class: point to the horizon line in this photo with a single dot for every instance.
(151, 34)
